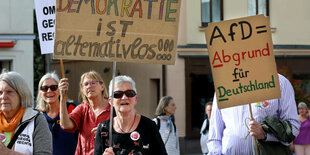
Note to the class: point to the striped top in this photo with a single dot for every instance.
(228, 127)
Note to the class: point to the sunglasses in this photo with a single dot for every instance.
(52, 87)
(128, 93)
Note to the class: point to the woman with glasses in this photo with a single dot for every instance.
(64, 143)
(132, 133)
(22, 129)
(86, 116)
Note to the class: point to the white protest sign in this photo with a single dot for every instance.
(45, 13)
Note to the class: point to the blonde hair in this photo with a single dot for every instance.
(163, 103)
(41, 105)
(94, 75)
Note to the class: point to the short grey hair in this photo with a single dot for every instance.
(120, 80)
(19, 84)
(163, 103)
(40, 102)
(302, 105)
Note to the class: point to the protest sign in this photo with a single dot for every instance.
(242, 61)
(125, 31)
(45, 14)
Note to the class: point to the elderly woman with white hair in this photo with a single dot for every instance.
(302, 141)
(22, 129)
(132, 133)
(64, 143)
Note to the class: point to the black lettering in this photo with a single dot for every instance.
(62, 44)
(213, 35)
(111, 43)
(140, 49)
(242, 29)
(151, 52)
(125, 25)
(111, 28)
(70, 41)
(135, 44)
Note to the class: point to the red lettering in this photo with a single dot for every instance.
(60, 9)
(267, 50)
(134, 9)
(225, 56)
(97, 7)
(236, 57)
(216, 57)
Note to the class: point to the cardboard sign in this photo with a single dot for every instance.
(141, 31)
(45, 14)
(242, 61)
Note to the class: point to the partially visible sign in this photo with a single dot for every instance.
(242, 61)
(142, 31)
(45, 14)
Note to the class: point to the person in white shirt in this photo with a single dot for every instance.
(204, 131)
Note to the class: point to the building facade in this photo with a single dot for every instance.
(16, 38)
(189, 80)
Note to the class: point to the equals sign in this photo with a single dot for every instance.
(259, 29)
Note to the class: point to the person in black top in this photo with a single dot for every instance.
(132, 133)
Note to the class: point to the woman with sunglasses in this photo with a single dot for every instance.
(85, 117)
(132, 133)
(64, 143)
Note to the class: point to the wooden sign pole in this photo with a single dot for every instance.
(63, 76)
(252, 118)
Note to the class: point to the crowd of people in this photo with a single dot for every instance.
(58, 127)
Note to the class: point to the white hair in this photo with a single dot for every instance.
(120, 80)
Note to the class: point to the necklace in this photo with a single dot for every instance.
(134, 120)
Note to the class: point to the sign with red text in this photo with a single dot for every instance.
(242, 61)
(141, 31)
(45, 14)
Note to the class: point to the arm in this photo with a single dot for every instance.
(178, 143)
(98, 142)
(287, 111)
(42, 137)
(216, 128)
(65, 121)
(287, 105)
(5, 150)
(157, 145)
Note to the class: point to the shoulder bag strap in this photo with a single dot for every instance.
(20, 129)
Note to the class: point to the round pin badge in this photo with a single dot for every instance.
(2, 137)
(167, 131)
(135, 136)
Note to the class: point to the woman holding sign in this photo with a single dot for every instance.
(64, 143)
(132, 133)
(86, 116)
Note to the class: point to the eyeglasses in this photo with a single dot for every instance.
(128, 93)
(93, 83)
(45, 88)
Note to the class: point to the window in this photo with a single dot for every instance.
(211, 11)
(5, 65)
(256, 7)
